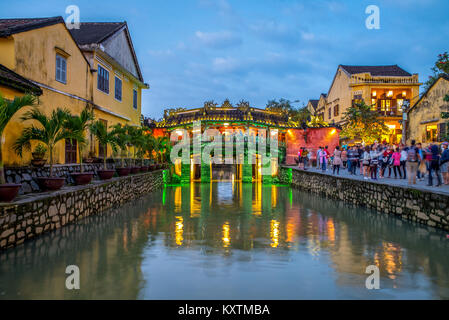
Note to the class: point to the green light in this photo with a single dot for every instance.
(164, 195)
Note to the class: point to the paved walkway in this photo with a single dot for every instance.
(421, 185)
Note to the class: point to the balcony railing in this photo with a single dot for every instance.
(384, 80)
(394, 109)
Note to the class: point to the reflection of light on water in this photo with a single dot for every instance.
(226, 235)
(178, 200)
(274, 233)
(195, 202)
(179, 231)
(257, 199)
(391, 258)
(274, 196)
(331, 230)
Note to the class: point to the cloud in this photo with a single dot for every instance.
(218, 40)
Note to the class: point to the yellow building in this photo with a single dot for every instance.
(311, 106)
(428, 119)
(45, 52)
(321, 106)
(385, 88)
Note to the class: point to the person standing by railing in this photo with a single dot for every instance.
(434, 165)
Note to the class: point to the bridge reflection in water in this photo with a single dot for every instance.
(231, 241)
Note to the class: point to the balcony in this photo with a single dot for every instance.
(395, 80)
(386, 107)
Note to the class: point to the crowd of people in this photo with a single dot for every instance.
(381, 160)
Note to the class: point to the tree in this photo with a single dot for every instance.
(7, 110)
(50, 131)
(160, 146)
(104, 137)
(297, 115)
(441, 67)
(136, 140)
(122, 140)
(360, 122)
(77, 126)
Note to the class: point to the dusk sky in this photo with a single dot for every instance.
(191, 51)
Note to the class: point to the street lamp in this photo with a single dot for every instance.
(404, 109)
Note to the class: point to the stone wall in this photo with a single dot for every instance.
(26, 175)
(425, 207)
(31, 216)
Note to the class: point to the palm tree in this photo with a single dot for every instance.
(122, 139)
(160, 146)
(104, 137)
(136, 139)
(50, 131)
(7, 110)
(77, 126)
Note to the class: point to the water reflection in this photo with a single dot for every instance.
(231, 240)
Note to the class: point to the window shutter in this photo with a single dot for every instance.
(442, 131)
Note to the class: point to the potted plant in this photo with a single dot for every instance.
(77, 126)
(145, 146)
(50, 131)
(8, 191)
(38, 156)
(104, 137)
(122, 140)
(90, 157)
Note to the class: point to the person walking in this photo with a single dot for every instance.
(434, 165)
(396, 159)
(404, 151)
(413, 158)
(344, 157)
(444, 163)
(337, 162)
(366, 162)
(421, 162)
(305, 158)
(318, 161)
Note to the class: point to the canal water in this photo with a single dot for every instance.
(231, 241)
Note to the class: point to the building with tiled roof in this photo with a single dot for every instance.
(15, 82)
(94, 66)
(385, 88)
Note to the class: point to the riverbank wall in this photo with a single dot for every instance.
(32, 215)
(413, 204)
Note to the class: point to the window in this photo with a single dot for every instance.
(432, 133)
(103, 79)
(61, 69)
(330, 112)
(118, 89)
(336, 111)
(134, 98)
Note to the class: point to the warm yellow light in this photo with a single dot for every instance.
(333, 131)
(274, 233)
(390, 93)
(374, 93)
(226, 124)
(179, 132)
(179, 231)
(391, 126)
(226, 235)
(404, 94)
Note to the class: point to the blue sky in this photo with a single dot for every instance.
(191, 51)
